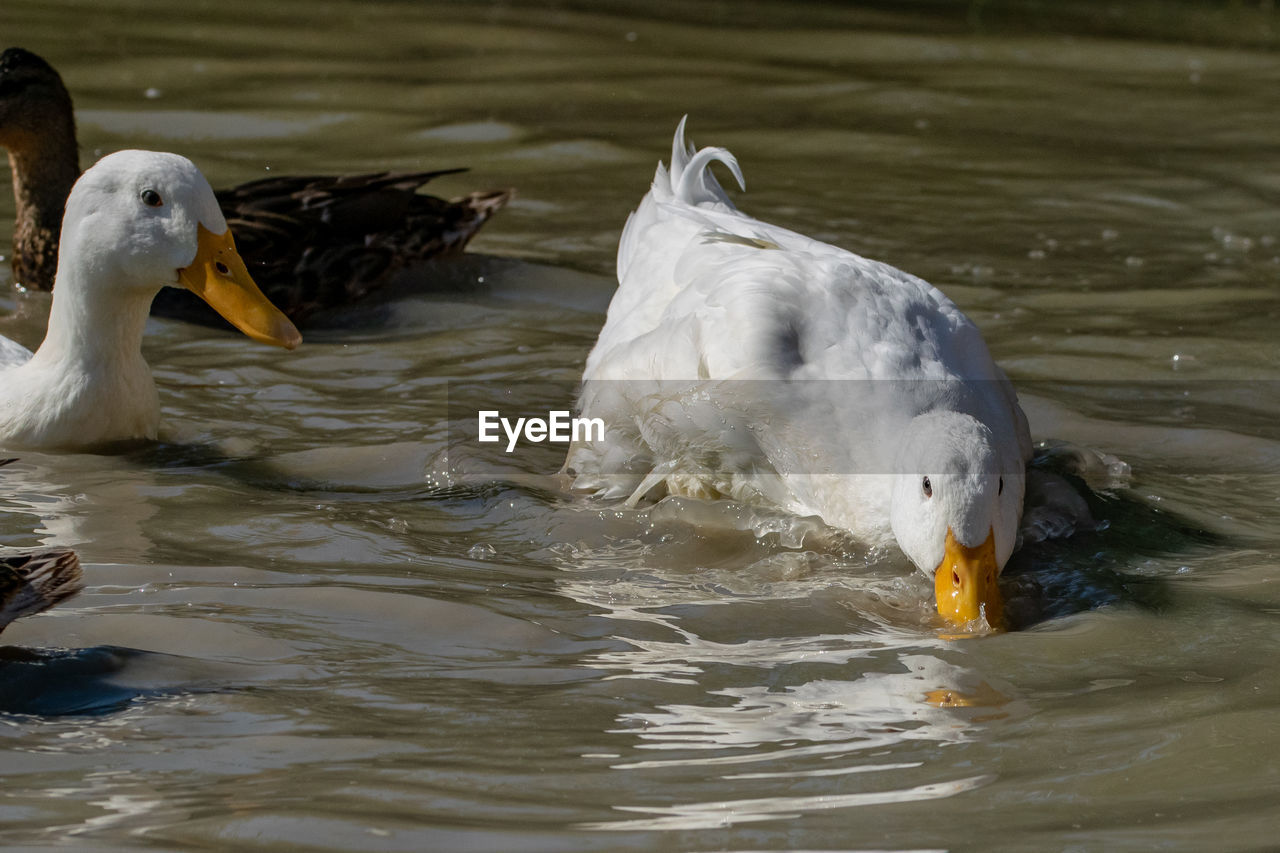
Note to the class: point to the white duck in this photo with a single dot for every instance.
(873, 401)
(135, 222)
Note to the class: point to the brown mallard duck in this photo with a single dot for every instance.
(311, 242)
(35, 581)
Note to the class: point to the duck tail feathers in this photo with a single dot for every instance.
(689, 179)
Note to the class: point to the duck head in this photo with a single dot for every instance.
(138, 221)
(38, 130)
(956, 505)
(32, 98)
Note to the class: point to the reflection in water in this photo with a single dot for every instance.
(97, 680)
(64, 501)
(875, 710)
(117, 808)
(682, 660)
(723, 813)
(838, 721)
(896, 692)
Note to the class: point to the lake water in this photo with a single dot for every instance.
(307, 626)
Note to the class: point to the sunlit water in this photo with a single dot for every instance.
(309, 624)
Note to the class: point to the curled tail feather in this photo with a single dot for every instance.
(691, 180)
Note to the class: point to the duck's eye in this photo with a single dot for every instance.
(1000, 488)
(928, 488)
(151, 198)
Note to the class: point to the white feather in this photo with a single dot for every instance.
(88, 384)
(742, 359)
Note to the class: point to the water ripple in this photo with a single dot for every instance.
(712, 815)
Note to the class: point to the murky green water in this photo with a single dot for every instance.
(354, 644)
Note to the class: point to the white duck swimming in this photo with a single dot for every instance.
(135, 222)
(744, 360)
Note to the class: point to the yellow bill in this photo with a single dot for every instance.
(218, 276)
(965, 583)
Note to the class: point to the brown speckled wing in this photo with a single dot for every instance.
(314, 242)
(32, 582)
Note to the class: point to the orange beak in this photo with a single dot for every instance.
(218, 276)
(965, 583)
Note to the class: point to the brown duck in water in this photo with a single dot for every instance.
(311, 243)
(35, 581)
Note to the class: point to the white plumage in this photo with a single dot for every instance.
(135, 222)
(741, 359)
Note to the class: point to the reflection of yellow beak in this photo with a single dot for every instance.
(218, 276)
(965, 583)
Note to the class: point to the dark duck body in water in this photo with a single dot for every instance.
(34, 581)
(311, 243)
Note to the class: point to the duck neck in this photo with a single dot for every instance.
(45, 166)
(96, 330)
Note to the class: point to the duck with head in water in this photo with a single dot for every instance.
(743, 360)
(136, 222)
(311, 242)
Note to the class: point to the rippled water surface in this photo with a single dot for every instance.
(307, 626)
